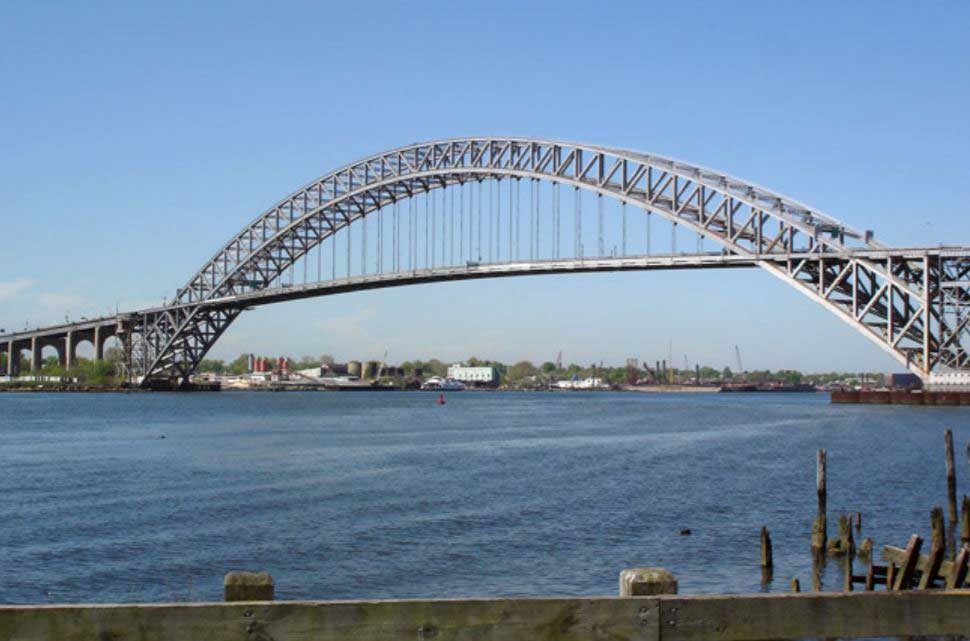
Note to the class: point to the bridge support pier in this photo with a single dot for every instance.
(98, 345)
(69, 345)
(35, 350)
(13, 359)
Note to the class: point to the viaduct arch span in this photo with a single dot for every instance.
(513, 197)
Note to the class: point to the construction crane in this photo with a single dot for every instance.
(380, 370)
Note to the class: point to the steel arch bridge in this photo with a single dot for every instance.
(392, 219)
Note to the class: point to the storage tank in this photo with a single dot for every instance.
(353, 368)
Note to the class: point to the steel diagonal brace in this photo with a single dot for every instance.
(872, 301)
(902, 332)
(838, 279)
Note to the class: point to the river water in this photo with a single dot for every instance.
(153, 497)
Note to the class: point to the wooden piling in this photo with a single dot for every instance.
(248, 586)
(767, 560)
(647, 582)
(904, 577)
(937, 549)
(817, 574)
(865, 548)
(848, 542)
(818, 536)
(858, 522)
(847, 570)
(820, 526)
(958, 573)
(965, 521)
(795, 585)
(820, 481)
(951, 476)
(937, 527)
(845, 544)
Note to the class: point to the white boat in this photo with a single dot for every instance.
(443, 384)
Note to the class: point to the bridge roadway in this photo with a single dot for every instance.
(66, 337)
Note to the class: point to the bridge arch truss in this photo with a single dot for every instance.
(914, 303)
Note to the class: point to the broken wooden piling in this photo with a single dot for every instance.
(820, 480)
(845, 544)
(904, 577)
(767, 560)
(248, 586)
(647, 582)
(965, 521)
(820, 526)
(951, 476)
(937, 549)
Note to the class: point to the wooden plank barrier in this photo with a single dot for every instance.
(667, 618)
(945, 571)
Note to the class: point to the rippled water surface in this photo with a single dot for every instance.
(153, 497)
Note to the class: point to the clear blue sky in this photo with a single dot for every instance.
(137, 139)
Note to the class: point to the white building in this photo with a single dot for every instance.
(588, 383)
(473, 375)
(949, 382)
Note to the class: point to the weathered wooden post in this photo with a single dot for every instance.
(965, 521)
(818, 537)
(951, 476)
(858, 523)
(767, 561)
(845, 535)
(820, 527)
(903, 578)
(820, 480)
(937, 549)
(248, 586)
(958, 571)
(845, 544)
(847, 569)
(647, 582)
(796, 586)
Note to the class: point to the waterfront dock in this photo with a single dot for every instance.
(901, 397)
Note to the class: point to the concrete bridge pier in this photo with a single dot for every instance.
(98, 344)
(70, 345)
(13, 356)
(35, 349)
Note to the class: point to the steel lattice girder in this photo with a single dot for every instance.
(891, 301)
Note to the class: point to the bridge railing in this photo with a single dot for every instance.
(654, 618)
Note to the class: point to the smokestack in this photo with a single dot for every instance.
(250, 363)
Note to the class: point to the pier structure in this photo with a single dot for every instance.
(489, 207)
